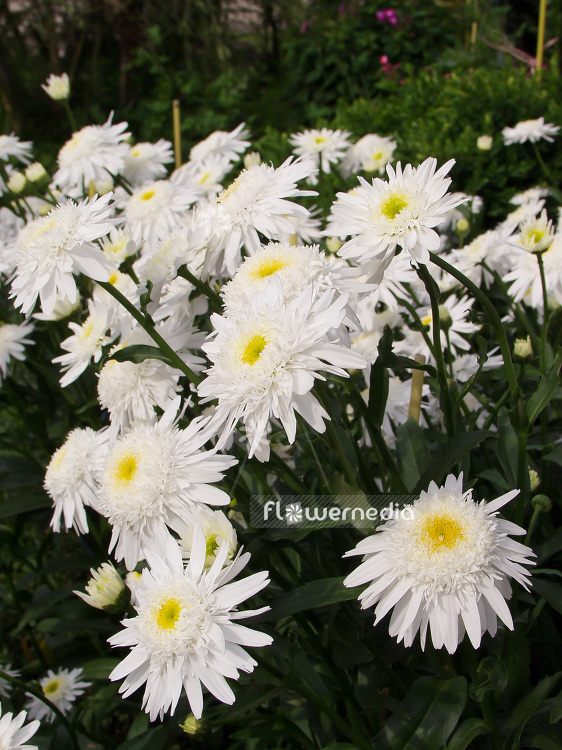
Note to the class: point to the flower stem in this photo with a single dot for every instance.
(544, 326)
(148, 326)
(433, 291)
(492, 313)
(201, 286)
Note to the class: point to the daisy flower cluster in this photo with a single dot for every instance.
(220, 315)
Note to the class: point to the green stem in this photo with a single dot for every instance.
(38, 693)
(544, 327)
(492, 313)
(141, 319)
(543, 166)
(433, 291)
(323, 396)
(70, 115)
(205, 289)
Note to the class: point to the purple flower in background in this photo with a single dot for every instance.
(388, 15)
(342, 8)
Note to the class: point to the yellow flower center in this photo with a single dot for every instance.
(269, 267)
(113, 279)
(253, 349)
(204, 177)
(147, 195)
(211, 545)
(377, 156)
(51, 687)
(168, 614)
(230, 189)
(319, 139)
(125, 469)
(135, 152)
(441, 531)
(426, 320)
(392, 206)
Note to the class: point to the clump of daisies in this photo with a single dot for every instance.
(445, 566)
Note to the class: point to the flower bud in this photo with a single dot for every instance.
(534, 479)
(522, 348)
(36, 172)
(484, 142)
(16, 183)
(191, 725)
(462, 226)
(253, 159)
(104, 589)
(333, 244)
(57, 87)
(542, 502)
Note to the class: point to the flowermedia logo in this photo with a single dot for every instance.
(328, 511)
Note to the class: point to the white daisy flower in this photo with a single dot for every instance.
(217, 531)
(324, 147)
(6, 685)
(525, 277)
(85, 344)
(265, 363)
(105, 588)
(157, 208)
(63, 309)
(154, 476)
(298, 266)
(371, 154)
(94, 154)
(220, 143)
(118, 245)
(531, 195)
(255, 202)
(305, 230)
(61, 688)
(530, 130)
(51, 249)
(70, 479)
(444, 564)
(12, 148)
(401, 212)
(145, 162)
(57, 87)
(185, 633)
(13, 733)
(12, 340)
(204, 177)
(537, 233)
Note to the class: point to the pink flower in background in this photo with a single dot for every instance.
(388, 15)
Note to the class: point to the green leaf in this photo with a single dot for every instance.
(555, 455)
(310, 596)
(449, 455)
(466, 732)
(431, 710)
(99, 669)
(548, 385)
(24, 505)
(491, 675)
(507, 447)
(389, 359)
(413, 452)
(378, 393)
(155, 739)
(137, 353)
(512, 728)
(550, 547)
(552, 592)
